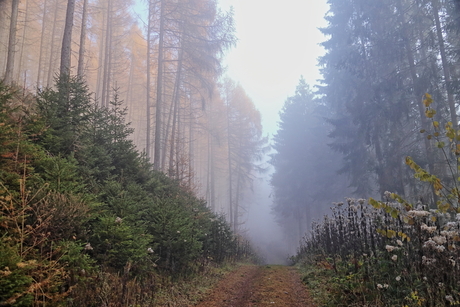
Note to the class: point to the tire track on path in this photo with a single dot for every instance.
(257, 286)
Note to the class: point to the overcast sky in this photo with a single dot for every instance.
(278, 42)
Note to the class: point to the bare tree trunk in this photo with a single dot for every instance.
(129, 91)
(190, 144)
(23, 40)
(12, 42)
(159, 102)
(53, 34)
(148, 131)
(173, 136)
(107, 58)
(166, 135)
(42, 42)
(176, 99)
(67, 39)
(236, 207)
(179, 141)
(417, 91)
(81, 51)
(230, 171)
(210, 171)
(5, 10)
(100, 69)
(445, 66)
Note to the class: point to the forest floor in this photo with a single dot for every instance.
(251, 286)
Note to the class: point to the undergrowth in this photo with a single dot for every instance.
(84, 218)
(391, 252)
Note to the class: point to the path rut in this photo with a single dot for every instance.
(251, 286)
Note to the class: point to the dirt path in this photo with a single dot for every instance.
(259, 286)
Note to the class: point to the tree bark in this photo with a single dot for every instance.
(229, 152)
(5, 11)
(175, 102)
(42, 42)
(445, 66)
(417, 91)
(81, 51)
(67, 39)
(159, 102)
(107, 58)
(148, 125)
(53, 34)
(23, 40)
(12, 42)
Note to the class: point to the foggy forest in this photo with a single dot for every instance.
(129, 160)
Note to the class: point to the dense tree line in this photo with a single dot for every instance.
(84, 218)
(381, 57)
(164, 60)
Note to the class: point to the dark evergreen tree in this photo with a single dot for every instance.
(304, 182)
(66, 113)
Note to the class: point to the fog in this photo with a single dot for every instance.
(265, 234)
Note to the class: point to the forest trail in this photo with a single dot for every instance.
(251, 286)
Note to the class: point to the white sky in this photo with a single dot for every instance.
(278, 42)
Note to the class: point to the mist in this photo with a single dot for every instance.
(263, 231)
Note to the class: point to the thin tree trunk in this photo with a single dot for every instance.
(107, 57)
(53, 34)
(5, 10)
(229, 152)
(67, 40)
(148, 125)
(42, 40)
(12, 42)
(210, 173)
(236, 213)
(166, 135)
(173, 135)
(158, 111)
(417, 91)
(129, 91)
(81, 51)
(100, 68)
(23, 40)
(445, 66)
(190, 144)
(179, 141)
(176, 99)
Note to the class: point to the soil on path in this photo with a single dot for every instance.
(259, 286)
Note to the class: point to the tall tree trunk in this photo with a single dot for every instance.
(129, 90)
(53, 34)
(166, 135)
(179, 145)
(176, 100)
(148, 125)
(81, 51)
(210, 169)
(159, 102)
(5, 10)
(417, 91)
(22, 60)
(12, 42)
(236, 208)
(229, 153)
(42, 42)
(172, 143)
(67, 39)
(100, 68)
(190, 144)
(445, 65)
(107, 58)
